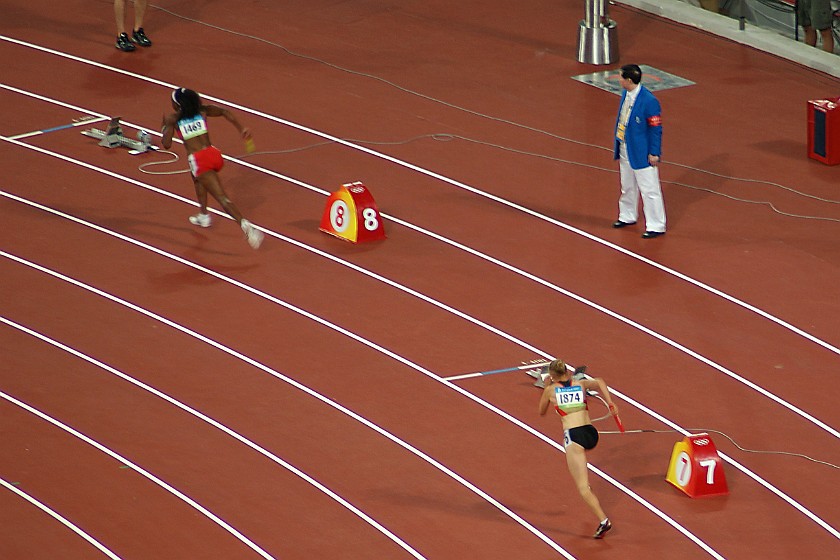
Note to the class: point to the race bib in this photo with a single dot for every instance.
(569, 399)
(192, 127)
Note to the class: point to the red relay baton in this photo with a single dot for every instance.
(618, 423)
(617, 419)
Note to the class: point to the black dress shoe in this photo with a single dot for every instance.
(652, 234)
(620, 224)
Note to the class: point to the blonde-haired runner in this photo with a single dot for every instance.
(568, 397)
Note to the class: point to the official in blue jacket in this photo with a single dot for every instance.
(638, 147)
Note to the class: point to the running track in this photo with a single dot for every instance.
(167, 392)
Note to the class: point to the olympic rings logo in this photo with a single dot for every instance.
(701, 442)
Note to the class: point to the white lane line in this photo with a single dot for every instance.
(223, 428)
(60, 518)
(464, 186)
(628, 399)
(411, 364)
(311, 392)
(452, 182)
(781, 401)
(372, 345)
(617, 393)
(134, 466)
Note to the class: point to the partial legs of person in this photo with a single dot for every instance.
(645, 183)
(138, 35)
(576, 459)
(810, 36)
(139, 13)
(209, 182)
(827, 40)
(652, 202)
(201, 219)
(124, 41)
(628, 202)
(825, 34)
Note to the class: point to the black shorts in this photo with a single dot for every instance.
(585, 436)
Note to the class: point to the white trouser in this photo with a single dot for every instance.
(645, 182)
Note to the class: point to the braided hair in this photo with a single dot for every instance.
(188, 101)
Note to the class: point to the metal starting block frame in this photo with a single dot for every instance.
(113, 137)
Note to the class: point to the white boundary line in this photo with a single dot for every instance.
(134, 466)
(454, 183)
(418, 368)
(422, 370)
(628, 399)
(580, 299)
(60, 518)
(311, 392)
(223, 428)
(337, 140)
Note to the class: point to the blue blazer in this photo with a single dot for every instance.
(643, 135)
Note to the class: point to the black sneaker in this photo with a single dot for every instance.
(124, 43)
(140, 38)
(602, 529)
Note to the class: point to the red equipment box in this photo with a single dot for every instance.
(824, 130)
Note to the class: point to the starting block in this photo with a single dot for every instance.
(696, 468)
(351, 214)
(113, 137)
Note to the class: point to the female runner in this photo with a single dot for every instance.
(568, 396)
(189, 121)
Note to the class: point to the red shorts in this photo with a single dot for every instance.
(204, 160)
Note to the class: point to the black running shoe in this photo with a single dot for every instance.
(602, 529)
(124, 43)
(140, 38)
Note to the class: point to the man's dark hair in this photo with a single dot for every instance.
(631, 72)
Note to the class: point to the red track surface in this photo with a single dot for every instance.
(671, 345)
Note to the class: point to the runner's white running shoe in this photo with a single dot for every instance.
(200, 220)
(252, 234)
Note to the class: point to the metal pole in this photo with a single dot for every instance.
(598, 34)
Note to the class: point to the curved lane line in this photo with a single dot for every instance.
(60, 518)
(370, 344)
(311, 392)
(134, 466)
(783, 402)
(218, 425)
(458, 184)
(424, 371)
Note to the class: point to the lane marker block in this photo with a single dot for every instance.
(696, 468)
(351, 214)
